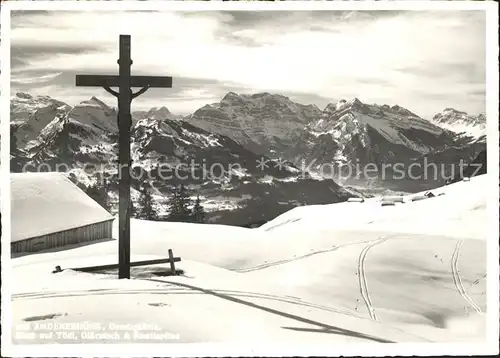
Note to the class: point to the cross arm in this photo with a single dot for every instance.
(113, 81)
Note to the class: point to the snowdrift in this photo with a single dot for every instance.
(455, 210)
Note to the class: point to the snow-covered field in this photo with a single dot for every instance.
(328, 274)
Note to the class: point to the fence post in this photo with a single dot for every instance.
(172, 264)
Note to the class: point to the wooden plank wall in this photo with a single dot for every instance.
(68, 237)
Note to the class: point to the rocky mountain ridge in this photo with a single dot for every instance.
(245, 129)
(462, 122)
(82, 141)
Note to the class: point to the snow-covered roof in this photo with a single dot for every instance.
(44, 203)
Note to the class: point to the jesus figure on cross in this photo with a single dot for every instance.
(124, 81)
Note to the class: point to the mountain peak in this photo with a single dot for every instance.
(23, 95)
(343, 103)
(450, 114)
(95, 102)
(401, 110)
(267, 94)
(330, 107)
(261, 94)
(461, 122)
(231, 96)
(453, 110)
(162, 109)
(161, 113)
(235, 97)
(355, 101)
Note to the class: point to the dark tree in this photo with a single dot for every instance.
(13, 141)
(99, 194)
(146, 210)
(178, 205)
(135, 210)
(15, 164)
(199, 214)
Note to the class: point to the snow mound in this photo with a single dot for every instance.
(460, 210)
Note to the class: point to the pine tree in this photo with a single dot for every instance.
(13, 141)
(135, 211)
(104, 190)
(99, 194)
(147, 211)
(178, 205)
(198, 215)
(15, 164)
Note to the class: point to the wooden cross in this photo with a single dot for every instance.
(124, 81)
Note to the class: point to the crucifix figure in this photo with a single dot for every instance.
(124, 81)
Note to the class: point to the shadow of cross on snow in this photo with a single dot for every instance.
(324, 328)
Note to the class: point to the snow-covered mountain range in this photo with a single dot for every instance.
(263, 122)
(224, 173)
(342, 138)
(297, 146)
(461, 122)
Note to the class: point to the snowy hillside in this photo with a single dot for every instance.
(461, 122)
(342, 273)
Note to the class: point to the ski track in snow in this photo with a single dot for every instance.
(282, 223)
(176, 290)
(363, 285)
(286, 299)
(458, 280)
(281, 262)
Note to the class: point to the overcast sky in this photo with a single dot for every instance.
(425, 61)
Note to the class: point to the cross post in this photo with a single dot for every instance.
(124, 81)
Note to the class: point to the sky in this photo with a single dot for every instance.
(424, 61)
